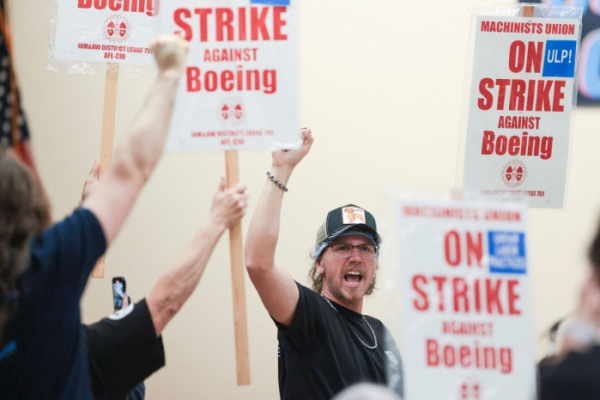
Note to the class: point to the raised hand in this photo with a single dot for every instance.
(229, 205)
(288, 159)
(169, 52)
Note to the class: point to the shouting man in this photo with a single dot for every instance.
(325, 342)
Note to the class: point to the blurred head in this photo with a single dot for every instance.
(24, 214)
(366, 391)
(346, 253)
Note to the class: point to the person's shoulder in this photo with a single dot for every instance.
(307, 293)
(76, 240)
(80, 219)
(377, 324)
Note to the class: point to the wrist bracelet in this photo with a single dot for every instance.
(275, 181)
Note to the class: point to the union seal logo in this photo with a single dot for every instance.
(117, 29)
(231, 111)
(514, 173)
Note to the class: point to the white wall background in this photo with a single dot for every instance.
(381, 87)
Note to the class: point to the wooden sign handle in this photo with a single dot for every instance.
(528, 11)
(108, 135)
(237, 274)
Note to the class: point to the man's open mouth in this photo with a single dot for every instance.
(353, 277)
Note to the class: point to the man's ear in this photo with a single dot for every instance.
(320, 267)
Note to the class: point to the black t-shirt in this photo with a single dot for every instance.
(575, 377)
(49, 358)
(320, 353)
(123, 350)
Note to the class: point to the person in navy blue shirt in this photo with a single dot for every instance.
(43, 272)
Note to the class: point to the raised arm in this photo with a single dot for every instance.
(274, 284)
(177, 284)
(138, 154)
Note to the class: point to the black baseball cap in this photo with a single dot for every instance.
(344, 219)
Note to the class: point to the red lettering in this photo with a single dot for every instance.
(278, 23)
(474, 248)
(440, 280)
(488, 100)
(115, 5)
(432, 356)
(242, 23)
(224, 18)
(177, 17)
(193, 79)
(502, 83)
(452, 241)
(558, 96)
(513, 297)
(226, 78)
(493, 297)
(460, 293)
(543, 96)
(424, 304)
(258, 24)
(487, 146)
(534, 57)
(517, 95)
(516, 58)
(203, 13)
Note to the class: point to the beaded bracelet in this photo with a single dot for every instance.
(275, 181)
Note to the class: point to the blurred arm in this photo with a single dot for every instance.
(139, 153)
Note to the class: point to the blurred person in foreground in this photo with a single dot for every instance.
(126, 348)
(44, 270)
(366, 391)
(325, 342)
(574, 372)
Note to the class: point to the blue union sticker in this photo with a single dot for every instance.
(559, 58)
(507, 252)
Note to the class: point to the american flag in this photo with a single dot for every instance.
(13, 127)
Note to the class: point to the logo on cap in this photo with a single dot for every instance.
(353, 215)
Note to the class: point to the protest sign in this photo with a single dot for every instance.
(466, 300)
(109, 31)
(240, 90)
(521, 99)
(115, 31)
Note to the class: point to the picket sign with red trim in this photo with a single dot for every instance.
(466, 300)
(240, 90)
(521, 99)
(114, 31)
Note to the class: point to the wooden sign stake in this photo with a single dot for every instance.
(237, 278)
(108, 135)
(528, 11)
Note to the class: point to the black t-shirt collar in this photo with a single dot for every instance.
(346, 312)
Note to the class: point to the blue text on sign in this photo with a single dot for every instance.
(507, 252)
(559, 58)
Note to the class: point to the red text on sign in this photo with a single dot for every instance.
(230, 25)
(475, 296)
(150, 7)
(238, 80)
(538, 95)
(524, 145)
(476, 357)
